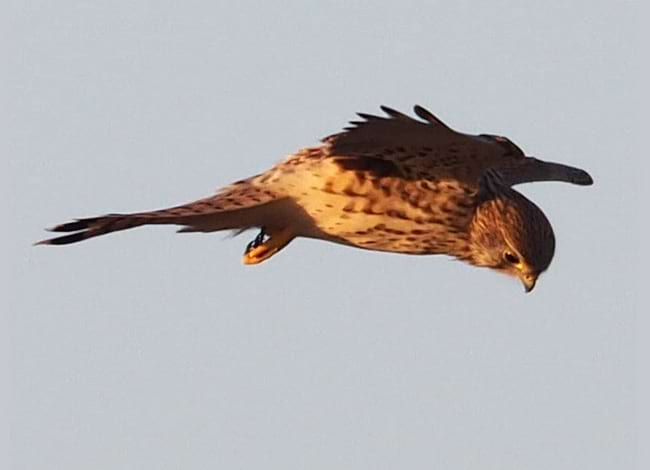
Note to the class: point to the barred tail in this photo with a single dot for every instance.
(239, 206)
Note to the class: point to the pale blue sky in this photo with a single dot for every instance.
(148, 349)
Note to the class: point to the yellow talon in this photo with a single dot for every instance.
(258, 254)
(262, 252)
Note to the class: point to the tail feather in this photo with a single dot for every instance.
(93, 227)
(239, 206)
(76, 225)
(66, 239)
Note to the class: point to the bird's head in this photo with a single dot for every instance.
(512, 235)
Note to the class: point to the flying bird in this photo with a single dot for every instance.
(387, 183)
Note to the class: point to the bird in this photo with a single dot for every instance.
(390, 183)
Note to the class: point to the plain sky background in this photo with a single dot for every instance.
(148, 349)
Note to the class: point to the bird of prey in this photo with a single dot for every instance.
(387, 183)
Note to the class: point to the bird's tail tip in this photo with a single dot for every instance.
(65, 239)
(83, 229)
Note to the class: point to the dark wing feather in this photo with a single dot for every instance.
(395, 129)
(404, 147)
(429, 117)
(429, 149)
(378, 167)
(394, 114)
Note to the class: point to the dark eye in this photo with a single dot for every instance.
(511, 258)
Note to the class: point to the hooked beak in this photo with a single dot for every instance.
(529, 281)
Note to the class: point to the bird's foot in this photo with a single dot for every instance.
(259, 240)
(266, 245)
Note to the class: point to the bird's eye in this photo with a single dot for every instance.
(511, 258)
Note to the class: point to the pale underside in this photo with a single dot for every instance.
(394, 184)
(366, 210)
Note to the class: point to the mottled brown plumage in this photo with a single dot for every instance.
(389, 183)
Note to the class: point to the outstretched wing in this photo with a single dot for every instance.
(426, 148)
(401, 146)
(530, 170)
(396, 129)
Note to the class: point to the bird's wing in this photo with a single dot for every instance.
(401, 146)
(395, 129)
(531, 169)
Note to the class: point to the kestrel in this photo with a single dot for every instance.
(387, 183)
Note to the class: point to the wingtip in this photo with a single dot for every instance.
(417, 109)
(428, 116)
(582, 178)
(393, 113)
